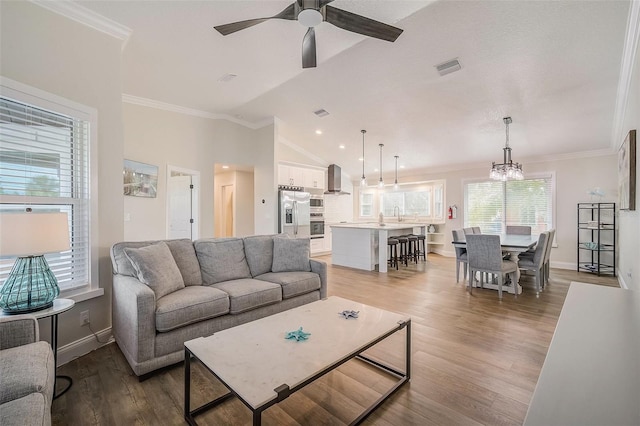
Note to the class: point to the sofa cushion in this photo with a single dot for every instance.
(293, 283)
(222, 259)
(26, 369)
(156, 268)
(246, 294)
(185, 256)
(30, 410)
(290, 254)
(259, 252)
(188, 305)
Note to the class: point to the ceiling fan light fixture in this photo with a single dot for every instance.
(309, 18)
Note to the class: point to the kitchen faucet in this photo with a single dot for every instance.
(394, 213)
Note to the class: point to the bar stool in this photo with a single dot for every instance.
(422, 246)
(392, 243)
(413, 247)
(404, 249)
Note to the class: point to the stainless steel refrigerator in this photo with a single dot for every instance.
(294, 213)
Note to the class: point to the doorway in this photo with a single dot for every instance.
(233, 200)
(227, 211)
(183, 198)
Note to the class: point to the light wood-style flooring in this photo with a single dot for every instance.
(475, 360)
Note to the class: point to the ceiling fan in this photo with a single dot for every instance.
(313, 12)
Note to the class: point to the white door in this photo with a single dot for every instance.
(179, 199)
(227, 211)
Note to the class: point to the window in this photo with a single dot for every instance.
(492, 205)
(366, 204)
(408, 203)
(45, 165)
(419, 200)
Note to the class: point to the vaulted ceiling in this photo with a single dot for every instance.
(553, 66)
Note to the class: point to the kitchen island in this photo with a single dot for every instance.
(363, 245)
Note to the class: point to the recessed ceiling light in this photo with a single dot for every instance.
(341, 147)
(402, 167)
(318, 132)
(360, 159)
(376, 170)
(225, 167)
(227, 78)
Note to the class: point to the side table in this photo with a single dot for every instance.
(59, 306)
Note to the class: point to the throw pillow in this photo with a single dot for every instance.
(156, 268)
(259, 252)
(291, 254)
(185, 256)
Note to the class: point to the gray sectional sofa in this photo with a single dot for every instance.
(27, 373)
(170, 291)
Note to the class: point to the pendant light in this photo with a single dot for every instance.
(508, 169)
(395, 183)
(363, 181)
(381, 182)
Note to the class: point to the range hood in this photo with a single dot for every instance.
(335, 181)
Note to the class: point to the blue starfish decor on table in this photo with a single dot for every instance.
(349, 314)
(298, 335)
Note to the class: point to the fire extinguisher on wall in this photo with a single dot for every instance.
(453, 211)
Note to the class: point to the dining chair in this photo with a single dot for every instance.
(461, 255)
(535, 263)
(547, 256)
(518, 230)
(468, 231)
(476, 230)
(485, 255)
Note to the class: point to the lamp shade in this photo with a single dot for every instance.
(29, 234)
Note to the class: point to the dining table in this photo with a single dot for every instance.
(513, 244)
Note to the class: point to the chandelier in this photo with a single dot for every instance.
(508, 169)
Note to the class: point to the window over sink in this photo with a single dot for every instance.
(423, 201)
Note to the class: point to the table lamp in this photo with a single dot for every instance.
(31, 286)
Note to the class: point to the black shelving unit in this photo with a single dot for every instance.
(597, 238)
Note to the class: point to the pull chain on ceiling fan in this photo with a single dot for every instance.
(313, 12)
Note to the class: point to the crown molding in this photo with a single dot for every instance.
(151, 103)
(631, 40)
(88, 17)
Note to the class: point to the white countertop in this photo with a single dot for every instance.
(376, 226)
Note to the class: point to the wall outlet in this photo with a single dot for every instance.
(84, 318)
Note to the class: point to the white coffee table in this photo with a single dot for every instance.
(259, 366)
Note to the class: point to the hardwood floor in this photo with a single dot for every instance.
(475, 360)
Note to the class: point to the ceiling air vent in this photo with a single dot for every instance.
(448, 67)
(321, 113)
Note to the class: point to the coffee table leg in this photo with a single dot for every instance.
(187, 387)
(257, 418)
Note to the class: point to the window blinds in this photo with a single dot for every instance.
(44, 165)
(492, 205)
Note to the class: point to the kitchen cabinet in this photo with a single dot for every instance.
(300, 176)
(313, 178)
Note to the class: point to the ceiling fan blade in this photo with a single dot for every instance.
(361, 25)
(226, 29)
(309, 49)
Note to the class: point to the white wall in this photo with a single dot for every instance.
(158, 137)
(629, 236)
(46, 51)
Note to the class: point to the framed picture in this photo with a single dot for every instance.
(140, 179)
(627, 172)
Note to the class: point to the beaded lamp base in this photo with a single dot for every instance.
(31, 286)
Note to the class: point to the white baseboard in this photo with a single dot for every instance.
(83, 346)
(621, 281)
(563, 265)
